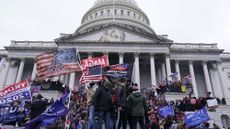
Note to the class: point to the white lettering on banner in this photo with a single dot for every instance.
(103, 61)
(13, 98)
(8, 110)
(13, 88)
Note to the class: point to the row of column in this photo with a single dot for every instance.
(166, 65)
(177, 67)
(4, 72)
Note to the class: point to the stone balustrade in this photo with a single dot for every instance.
(33, 43)
(194, 46)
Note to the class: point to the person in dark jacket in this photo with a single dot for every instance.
(136, 108)
(102, 101)
(122, 103)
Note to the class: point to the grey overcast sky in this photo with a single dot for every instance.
(185, 21)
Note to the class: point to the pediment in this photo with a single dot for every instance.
(113, 35)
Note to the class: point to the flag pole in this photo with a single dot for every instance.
(66, 119)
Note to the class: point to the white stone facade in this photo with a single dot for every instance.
(121, 29)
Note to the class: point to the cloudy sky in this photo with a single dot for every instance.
(185, 21)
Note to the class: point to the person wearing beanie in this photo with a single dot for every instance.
(90, 91)
(137, 108)
(102, 101)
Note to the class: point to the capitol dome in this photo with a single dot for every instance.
(116, 12)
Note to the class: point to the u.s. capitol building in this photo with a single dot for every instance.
(121, 29)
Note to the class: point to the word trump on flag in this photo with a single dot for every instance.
(89, 62)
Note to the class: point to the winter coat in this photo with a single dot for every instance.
(102, 99)
(136, 104)
(121, 96)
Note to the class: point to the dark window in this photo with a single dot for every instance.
(128, 13)
(115, 12)
(102, 13)
(122, 12)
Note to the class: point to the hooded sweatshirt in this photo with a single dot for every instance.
(136, 104)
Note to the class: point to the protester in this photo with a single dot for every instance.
(102, 101)
(90, 90)
(137, 108)
(121, 103)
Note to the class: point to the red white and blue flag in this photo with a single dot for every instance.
(93, 73)
(53, 64)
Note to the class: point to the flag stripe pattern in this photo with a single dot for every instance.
(53, 64)
(93, 73)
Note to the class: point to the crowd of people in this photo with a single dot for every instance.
(118, 103)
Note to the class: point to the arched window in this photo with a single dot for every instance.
(102, 13)
(134, 15)
(95, 14)
(122, 12)
(128, 13)
(108, 12)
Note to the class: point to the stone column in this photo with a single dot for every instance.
(207, 78)
(153, 69)
(20, 70)
(168, 67)
(90, 54)
(121, 58)
(224, 89)
(137, 70)
(163, 71)
(5, 73)
(177, 66)
(72, 81)
(191, 70)
(62, 78)
(34, 73)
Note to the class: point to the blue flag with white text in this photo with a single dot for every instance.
(196, 118)
(54, 112)
(166, 111)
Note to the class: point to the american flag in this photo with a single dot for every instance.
(52, 64)
(93, 73)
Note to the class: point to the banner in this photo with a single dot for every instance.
(119, 70)
(212, 103)
(89, 62)
(166, 111)
(52, 113)
(13, 102)
(196, 118)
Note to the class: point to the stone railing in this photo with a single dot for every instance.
(3, 52)
(33, 43)
(194, 46)
(225, 55)
(98, 2)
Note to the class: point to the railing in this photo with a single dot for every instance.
(194, 46)
(33, 43)
(3, 52)
(225, 55)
